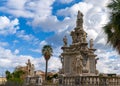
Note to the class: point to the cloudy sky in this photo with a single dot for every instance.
(27, 25)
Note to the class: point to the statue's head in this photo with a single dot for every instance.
(28, 60)
(79, 15)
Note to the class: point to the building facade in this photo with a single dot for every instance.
(3, 80)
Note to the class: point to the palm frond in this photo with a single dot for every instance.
(47, 51)
(112, 28)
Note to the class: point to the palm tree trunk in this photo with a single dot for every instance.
(46, 70)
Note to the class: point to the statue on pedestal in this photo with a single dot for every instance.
(79, 65)
(95, 65)
(30, 68)
(79, 19)
(65, 41)
(91, 44)
(80, 15)
(84, 37)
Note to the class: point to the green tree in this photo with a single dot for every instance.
(15, 77)
(55, 75)
(8, 75)
(112, 28)
(47, 53)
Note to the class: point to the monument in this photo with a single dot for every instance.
(28, 69)
(78, 58)
(79, 61)
(30, 77)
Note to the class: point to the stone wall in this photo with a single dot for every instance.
(89, 81)
(31, 81)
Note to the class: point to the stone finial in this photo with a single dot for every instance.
(91, 44)
(65, 41)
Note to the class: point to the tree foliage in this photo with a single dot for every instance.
(112, 28)
(47, 51)
(54, 76)
(15, 76)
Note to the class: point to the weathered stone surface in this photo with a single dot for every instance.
(78, 58)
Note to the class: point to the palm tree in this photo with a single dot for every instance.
(112, 28)
(47, 53)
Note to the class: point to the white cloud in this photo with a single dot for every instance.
(65, 1)
(92, 34)
(5, 53)
(55, 25)
(27, 37)
(108, 61)
(72, 11)
(4, 21)
(95, 2)
(41, 44)
(39, 12)
(54, 63)
(8, 26)
(3, 44)
(28, 8)
(16, 51)
(10, 60)
(24, 36)
(16, 4)
(102, 41)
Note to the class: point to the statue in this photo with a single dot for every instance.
(91, 43)
(62, 61)
(65, 41)
(28, 64)
(96, 60)
(96, 71)
(85, 60)
(79, 19)
(30, 68)
(80, 15)
(78, 64)
(73, 37)
(61, 57)
(81, 40)
(84, 37)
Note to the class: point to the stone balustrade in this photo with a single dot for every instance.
(89, 81)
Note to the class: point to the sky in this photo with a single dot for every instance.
(27, 25)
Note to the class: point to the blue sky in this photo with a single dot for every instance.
(27, 25)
